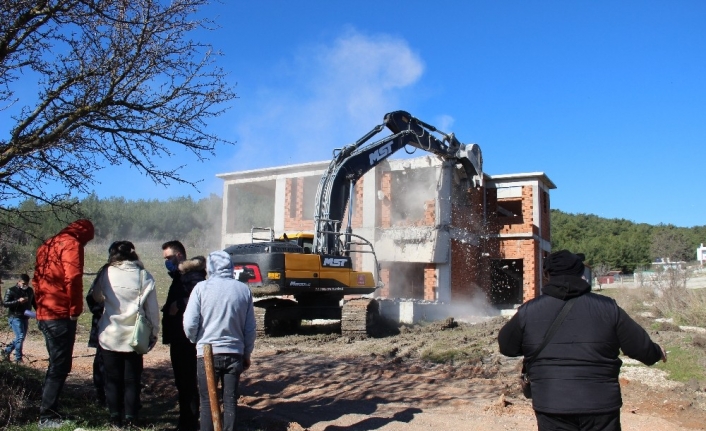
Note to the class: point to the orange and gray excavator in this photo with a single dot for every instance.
(306, 276)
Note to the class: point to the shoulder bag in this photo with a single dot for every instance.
(142, 332)
(524, 376)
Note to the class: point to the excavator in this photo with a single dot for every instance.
(305, 276)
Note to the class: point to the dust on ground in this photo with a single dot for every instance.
(327, 382)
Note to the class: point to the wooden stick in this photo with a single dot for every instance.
(212, 391)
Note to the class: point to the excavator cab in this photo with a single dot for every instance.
(302, 239)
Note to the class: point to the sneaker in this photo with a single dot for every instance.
(50, 423)
(6, 356)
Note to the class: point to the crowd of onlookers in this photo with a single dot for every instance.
(204, 305)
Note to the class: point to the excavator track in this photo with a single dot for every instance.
(358, 317)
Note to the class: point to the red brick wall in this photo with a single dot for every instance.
(545, 215)
(295, 186)
(468, 276)
(527, 224)
(527, 250)
(385, 279)
(430, 282)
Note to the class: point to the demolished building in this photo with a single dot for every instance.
(436, 237)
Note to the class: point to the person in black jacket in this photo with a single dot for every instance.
(97, 309)
(19, 301)
(185, 273)
(575, 377)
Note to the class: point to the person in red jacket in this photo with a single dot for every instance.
(58, 287)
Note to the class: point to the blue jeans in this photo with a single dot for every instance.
(227, 368)
(19, 327)
(59, 336)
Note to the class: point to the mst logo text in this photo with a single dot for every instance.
(335, 262)
(380, 153)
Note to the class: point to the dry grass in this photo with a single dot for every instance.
(19, 388)
(687, 307)
(684, 306)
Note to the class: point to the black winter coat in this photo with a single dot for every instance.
(183, 281)
(16, 308)
(97, 309)
(577, 372)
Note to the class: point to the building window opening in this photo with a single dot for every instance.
(510, 212)
(406, 280)
(250, 204)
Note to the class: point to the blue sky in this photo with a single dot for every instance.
(607, 98)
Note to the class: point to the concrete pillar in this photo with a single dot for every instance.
(443, 239)
(280, 193)
(224, 215)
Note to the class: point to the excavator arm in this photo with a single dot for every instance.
(351, 162)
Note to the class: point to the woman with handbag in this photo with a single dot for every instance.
(131, 312)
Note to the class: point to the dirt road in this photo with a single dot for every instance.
(325, 382)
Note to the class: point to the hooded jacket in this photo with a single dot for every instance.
(220, 311)
(58, 272)
(577, 372)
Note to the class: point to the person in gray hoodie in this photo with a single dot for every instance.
(220, 313)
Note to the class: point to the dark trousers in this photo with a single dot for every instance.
(59, 336)
(594, 422)
(227, 368)
(123, 373)
(99, 375)
(183, 356)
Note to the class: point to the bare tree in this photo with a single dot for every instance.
(599, 271)
(114, 82)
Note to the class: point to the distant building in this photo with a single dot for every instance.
(701, 254)
(434, 238)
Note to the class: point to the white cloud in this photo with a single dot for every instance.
(334, 94)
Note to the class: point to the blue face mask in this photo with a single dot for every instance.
(171, 266)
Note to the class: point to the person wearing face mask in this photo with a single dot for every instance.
(185, 273)
(19, 301)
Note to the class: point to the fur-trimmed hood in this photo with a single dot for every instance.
(197, 263)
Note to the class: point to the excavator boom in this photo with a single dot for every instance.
(352, 162)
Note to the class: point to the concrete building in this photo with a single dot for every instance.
(435, 238)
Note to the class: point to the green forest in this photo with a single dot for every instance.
(622, 244)
(197, 223)
(616, 244)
